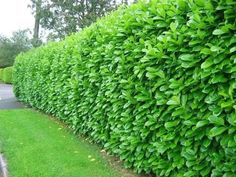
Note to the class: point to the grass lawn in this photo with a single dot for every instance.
(36, 146)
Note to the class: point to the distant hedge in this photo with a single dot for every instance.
(6, 75)
(1, 72)
(154, 83)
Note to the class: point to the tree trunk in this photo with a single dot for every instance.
(36, 41)
(36, 28)
(125, 2)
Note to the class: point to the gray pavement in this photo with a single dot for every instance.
(7, 98)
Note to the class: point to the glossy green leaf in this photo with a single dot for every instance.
(187, 57)
(216, 120)
(202, 123)
(233, 49)
(171, 124)
(207, 63)
(218, 32)
(175, 100)
(217, 131)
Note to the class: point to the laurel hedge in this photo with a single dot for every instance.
(154, 83)
(6, 75)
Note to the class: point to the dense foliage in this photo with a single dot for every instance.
(11, 47)
(154, 83)
(6, 75)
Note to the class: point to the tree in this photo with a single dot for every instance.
(36, 5)
(11, 47)
(63, 18)
(125, 2)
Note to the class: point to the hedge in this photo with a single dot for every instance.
(153, 83)
(6, 75)
(1, 72)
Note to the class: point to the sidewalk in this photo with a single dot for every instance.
(7, 98)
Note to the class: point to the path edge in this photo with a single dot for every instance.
(3, 167)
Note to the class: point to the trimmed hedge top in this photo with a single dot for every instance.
(154, 83)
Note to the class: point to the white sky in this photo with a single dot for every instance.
(15, 15)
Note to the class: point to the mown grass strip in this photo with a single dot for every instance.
(36, 146)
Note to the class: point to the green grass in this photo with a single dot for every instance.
(36, 146)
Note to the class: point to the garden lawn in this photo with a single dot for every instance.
(36, 146)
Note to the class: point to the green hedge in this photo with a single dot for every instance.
(154, 83)
(6, 75)
(1, 73)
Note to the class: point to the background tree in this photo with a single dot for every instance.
(62, 17)
(125, 2)
(36, 5)
(11, 47)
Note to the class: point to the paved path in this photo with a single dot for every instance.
(7, 98)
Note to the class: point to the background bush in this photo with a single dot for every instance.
(154, 83)
(1, 72)
(6, 75)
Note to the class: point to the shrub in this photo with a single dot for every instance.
(1, 72)
(6, 75)
(154, 83)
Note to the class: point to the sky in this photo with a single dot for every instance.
(15, 15)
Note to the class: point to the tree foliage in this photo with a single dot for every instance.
(11, 47)
(63, 18)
